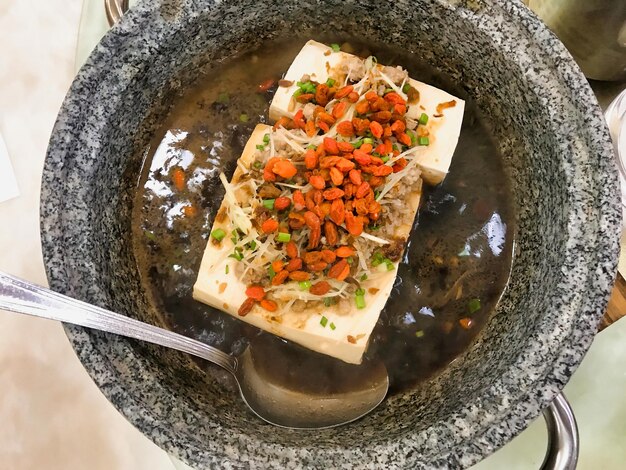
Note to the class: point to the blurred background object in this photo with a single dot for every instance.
(594, 31)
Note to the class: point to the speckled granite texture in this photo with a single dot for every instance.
(557, 151)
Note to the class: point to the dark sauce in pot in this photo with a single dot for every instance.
(453, 272)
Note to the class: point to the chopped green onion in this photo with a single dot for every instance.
(423, 141)
(377, 258)
(150, 235)
(297, 93)
(423, 120)
(328, 301)
(376, 154)
(360, 291)
(271, 272)
(406, 88)
(473, 305)
(324, 321)
(226, 269)
(235, 237)
(376, 194)
(283, 237)
(374, 227)
(223, 98)
(419, 333)
(266, 138)
(349, 260)
(332, 326)
(385, 159)
(412, 135)
(368, 140)
(330, 82)
(218, 234)
(387, 90)
(257, 164)
(237, 255)
(389, 263)
(261, 148)
(357, 144)
(360, 301)
(252, 245)
(269, 203)
(335, 47)
(243, 117)
(304, 285)
(363, 277)
(465, 251)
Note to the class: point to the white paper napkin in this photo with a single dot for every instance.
(8, 184)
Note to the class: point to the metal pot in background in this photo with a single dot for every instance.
(594, 31)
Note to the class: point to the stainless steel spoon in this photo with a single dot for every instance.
(274, 397)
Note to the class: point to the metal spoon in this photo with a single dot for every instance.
(283, 399)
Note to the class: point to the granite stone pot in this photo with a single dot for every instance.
(558, 156)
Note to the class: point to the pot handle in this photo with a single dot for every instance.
(563, 445)
(115, 9)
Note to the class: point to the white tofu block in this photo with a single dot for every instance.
(352, 329)
(443, 128)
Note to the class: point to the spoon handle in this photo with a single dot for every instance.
(17, 295)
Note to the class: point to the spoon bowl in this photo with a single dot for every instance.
(279, 386)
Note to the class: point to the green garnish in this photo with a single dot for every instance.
(412, 135)
(266, 138)
(306, 87)
(235, 237)
(377, 258)
(389, 263)
(357, 144)
(304, 285)
(368, 140)
(360, 291)
(332, 326)
(419, 333)
(261, 148)
(423, 141)
(271, 272)
(335, 47)
(324, 321)
(243, 117)
(328, 301)
(376, 194)
(473, 305)
(359, 300)
(330, 82)
(226, 269)
(385, 159)
(423, 120)
(374, 227)
(465, 251)
(406, 88)
(363, 277)
(223, 98)
(269, 203)
(150, 235)
(311, 147)
(252, 245)
(297, 93)
(283, 237)
(218, 234)
(387, 90)
(349, 260)
(237, 255)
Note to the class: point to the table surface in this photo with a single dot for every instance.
(53, 416)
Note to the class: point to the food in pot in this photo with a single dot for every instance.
(449, 279)
(314, 222)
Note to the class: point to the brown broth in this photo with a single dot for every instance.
(460, 248)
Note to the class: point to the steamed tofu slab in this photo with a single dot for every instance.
(347, 329)
(320, 63)
(314, 222)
